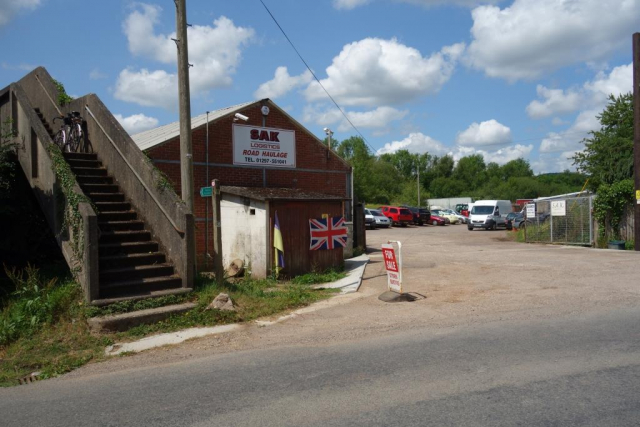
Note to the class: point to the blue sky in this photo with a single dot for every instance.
(506, 79)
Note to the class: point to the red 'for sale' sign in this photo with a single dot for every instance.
(390, 263)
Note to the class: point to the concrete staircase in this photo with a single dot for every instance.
(131, 262)
(130, 239)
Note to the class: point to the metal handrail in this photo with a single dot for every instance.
(47, 93)
(134, 172)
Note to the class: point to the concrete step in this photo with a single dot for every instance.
(112, 249)
(113, 206)
(84, 163)
(113, 275)
(85, 172)
(117, 216)
(138, 287)
(81, 156)
(121, 225)
(107, 187)
(106, 197)
(125, 321)
(125, 236)
(153, 294)
(131, 260)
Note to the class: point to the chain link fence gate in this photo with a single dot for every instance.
(549, 223)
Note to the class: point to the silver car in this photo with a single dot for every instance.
(381, 220)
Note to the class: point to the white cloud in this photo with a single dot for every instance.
(9, 8)
(557, 147)
(557, 121)
(487, 133)
(501, 156)
(571, 138)
(593, 94)
(215, 52)
(619, 81)
(148, 88)
(349, 4)
(373, 72)
(378, 119)
(136, 123)
(532, 37)
(96, 74)
(415, 143)
(282, 83)
(352, 4)
(556, 101)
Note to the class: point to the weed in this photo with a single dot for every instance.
(36, 301)
(314, 278)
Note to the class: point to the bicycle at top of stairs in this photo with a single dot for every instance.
(69, 137)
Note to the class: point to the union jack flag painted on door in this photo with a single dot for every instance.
(328, 233)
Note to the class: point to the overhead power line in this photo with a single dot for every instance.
(316, 78)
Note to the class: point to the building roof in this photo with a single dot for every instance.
(151, 138)
(262, 193)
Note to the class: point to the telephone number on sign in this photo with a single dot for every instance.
(266, 161)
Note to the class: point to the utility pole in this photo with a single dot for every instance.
(186, 156)
(217, 233)
(636, 136)
(418, 163)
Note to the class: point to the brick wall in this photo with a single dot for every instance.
(316, 169)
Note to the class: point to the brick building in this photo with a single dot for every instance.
(272, 151)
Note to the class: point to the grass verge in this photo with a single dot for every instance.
(43, 324)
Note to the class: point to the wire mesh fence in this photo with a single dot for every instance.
(561, 221)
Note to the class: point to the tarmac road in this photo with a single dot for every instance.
(508, 334)
(579, 371)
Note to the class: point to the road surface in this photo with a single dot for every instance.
(490, 345)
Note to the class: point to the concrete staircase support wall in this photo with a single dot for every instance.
(32, 139)
(170, 222)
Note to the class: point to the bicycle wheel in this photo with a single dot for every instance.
(59, 139)
(74, 140)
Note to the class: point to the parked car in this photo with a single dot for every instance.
(453, 219)
(369, 220)
(490, 214)
(462, 209)
(461, 218)
(381, 220)
(397, 215)
(437, 220)
(420, 215)
(516, 219)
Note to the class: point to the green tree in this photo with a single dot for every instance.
(516, 168)
(447, 187)
(471, 169)
(608, 153)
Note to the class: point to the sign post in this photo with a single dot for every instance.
(393, 265)
(217, 232)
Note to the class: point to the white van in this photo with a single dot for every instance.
(489, 214)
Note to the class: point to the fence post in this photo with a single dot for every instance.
(591, 221)
(551, 225)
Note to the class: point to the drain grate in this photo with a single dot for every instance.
(31, 378)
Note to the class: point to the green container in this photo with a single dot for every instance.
(617, 244)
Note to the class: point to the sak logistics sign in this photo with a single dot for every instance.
(393, 266)
(266, 147)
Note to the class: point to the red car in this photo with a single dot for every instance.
(397, 215)
(437, 220)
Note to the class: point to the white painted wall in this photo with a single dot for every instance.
(244, 236)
